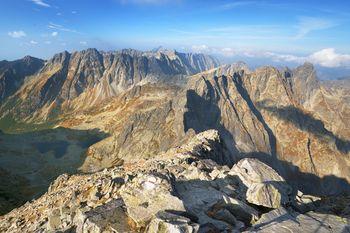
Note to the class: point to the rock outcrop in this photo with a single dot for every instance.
(264, 186)
(183, 190)
(280, 220)
(12, 74)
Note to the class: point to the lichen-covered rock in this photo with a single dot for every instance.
(167, 222)
(264, 185)
(280, 220)
(110, 217)
(182, 190)
(147, 194)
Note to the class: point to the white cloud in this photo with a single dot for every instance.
(329, 58)
(201, 49)
(54, 34)
(326, 57)
(226, 51)
(277, 57)
(61, 28)
(235, 4)
(84, 43)
(33, 42)
(59, 14)
(40, 3)
(74, 12)
(308, 24)
(17, 34)
(47, 42)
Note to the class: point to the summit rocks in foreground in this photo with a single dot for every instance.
(182, 190)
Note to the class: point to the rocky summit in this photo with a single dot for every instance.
(163, 141)
(182, 190)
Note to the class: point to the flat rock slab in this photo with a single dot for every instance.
(280, 220)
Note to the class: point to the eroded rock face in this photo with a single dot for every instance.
(265, 186)
(282, 118)
(82, 79)
(168, 222)
(280, 220)
(12, 74)
(147, 194)
(183, 190)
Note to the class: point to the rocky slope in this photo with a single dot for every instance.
(29, 162)
(284, 119)
(12, 74)
(182, 190)
(259, 113)
(83, 79)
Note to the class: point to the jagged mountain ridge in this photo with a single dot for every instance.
(13, 73)
(80, 79)
(258, 113)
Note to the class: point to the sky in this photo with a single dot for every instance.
(254, 30)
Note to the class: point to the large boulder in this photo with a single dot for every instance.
(110, 217)
(265, 187)
(146, 195)
(282, 221)
(167, 222)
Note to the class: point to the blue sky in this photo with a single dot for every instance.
(290, 31)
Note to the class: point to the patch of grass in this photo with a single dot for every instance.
(8, 124)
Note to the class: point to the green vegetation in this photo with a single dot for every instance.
(8, 124)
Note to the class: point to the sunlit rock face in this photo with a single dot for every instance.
(13, 74)
(71, 81)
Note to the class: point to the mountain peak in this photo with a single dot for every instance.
(162, 49)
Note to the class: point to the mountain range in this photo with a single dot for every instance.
(92, 111)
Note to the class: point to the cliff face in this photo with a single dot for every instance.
(12, 74)
(284, 119)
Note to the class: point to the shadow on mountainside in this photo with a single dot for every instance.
(208, 200)
(308, 183)
(30, 161)
(245, 95)
(204, 114)
(306, 122)
(212, 195)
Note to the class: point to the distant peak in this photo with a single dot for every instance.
(161, 49)
(27, 57)
(60, 57)
(91, 50)
(238, 66)
(308, 65)
(157, 49)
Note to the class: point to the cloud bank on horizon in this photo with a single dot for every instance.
(289, 32)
